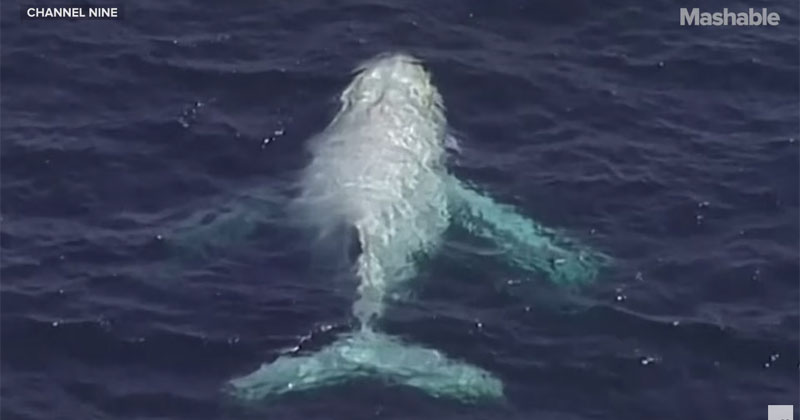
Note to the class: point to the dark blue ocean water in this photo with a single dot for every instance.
(674, 149)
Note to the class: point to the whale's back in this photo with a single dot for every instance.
(378, 166)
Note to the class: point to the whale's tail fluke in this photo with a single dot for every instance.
(369, 354)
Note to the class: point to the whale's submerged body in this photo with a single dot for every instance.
(380, 168)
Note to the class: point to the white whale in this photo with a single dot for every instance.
(379, 167)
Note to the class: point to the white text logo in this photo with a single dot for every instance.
(752, 17)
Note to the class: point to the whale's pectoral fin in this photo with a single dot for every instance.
(369, 354)
(219, 227)
(525, 243)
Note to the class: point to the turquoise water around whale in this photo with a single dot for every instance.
(673, 149)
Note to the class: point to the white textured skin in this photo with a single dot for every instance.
(378, 166)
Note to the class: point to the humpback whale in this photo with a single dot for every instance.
(379, 168)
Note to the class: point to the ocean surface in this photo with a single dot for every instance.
(673, 149)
